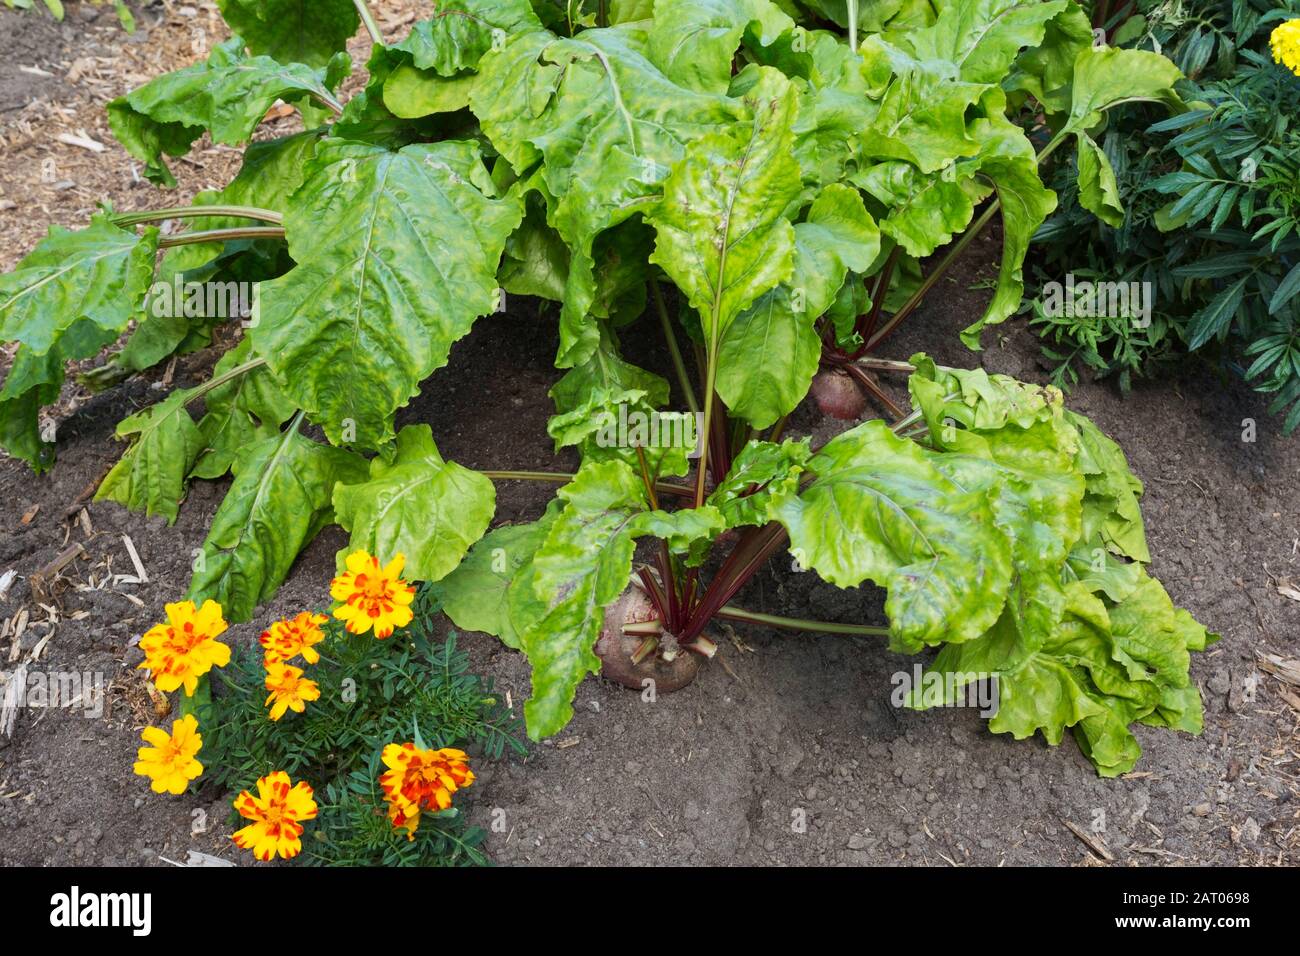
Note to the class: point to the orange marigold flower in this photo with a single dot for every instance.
(286, 639)
(276, 812)
(372, 596)
(289, 689)
(181, 651)
(419, 779)
(169, 763)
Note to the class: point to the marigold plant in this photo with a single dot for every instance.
(321, 731)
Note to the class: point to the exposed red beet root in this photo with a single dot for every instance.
(615, 649)
(837, 395)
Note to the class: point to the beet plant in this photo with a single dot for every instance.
(762, 181)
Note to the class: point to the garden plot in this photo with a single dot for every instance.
(785, 747)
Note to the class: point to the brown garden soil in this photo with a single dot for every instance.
(781, 728)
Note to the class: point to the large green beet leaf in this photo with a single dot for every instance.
(416, 504)
(836, 236)
(227, 94)
(150, 476)
(723, 235)
(879, 510)
(396, 257)
(608, 123)
(293, 31)
(74, 294)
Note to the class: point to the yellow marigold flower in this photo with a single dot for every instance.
(276, 813)
(286, 639)
(181, 651)
(289, 689)
(169, 763)
(419, 779)
(372, 596)
(1285, 43)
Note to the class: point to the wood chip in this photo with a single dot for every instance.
(41, 581)
(1288, 588)
(1090, 841)
(20, 625)
(35, 655)
(86, 493)
(80, 139)
(400, 19)
(15, 689)
(80, 67)
(195, 858)
(1282, 669)
(30, 514)
(141, 577)
(6, 582)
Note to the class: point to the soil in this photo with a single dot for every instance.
(791, 753)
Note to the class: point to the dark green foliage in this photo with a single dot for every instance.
(1212, 208)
